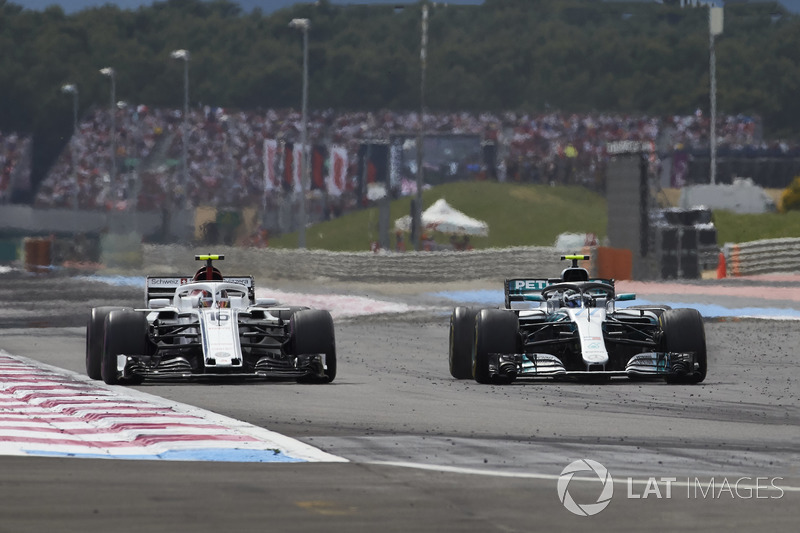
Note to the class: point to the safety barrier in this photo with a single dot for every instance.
(756, 257)
(762, 257)
(444, 266)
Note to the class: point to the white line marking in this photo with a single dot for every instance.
(554, 477)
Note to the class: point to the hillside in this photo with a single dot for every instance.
(523, 215)
(518, 215)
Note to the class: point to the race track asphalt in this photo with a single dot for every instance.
(427, 452)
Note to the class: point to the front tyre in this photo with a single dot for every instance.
(684, 332)
(125, 333)
(312, 332)
(95, 332)
(462, 333)
(496, 332)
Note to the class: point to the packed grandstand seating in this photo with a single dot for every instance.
(226, 163)
(14, 164)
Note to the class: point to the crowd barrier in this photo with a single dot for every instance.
(389, 267)
(762, 257)
(749, 258)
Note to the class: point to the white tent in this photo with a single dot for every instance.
(441, 217)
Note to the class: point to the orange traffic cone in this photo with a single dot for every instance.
(722, 269)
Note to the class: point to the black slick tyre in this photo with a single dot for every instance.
(125, 333)
(95, 331)
(684, 332)
(496, 331)
(312, 332)
(462, 332)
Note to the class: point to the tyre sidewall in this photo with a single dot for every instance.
(462, 332)
(496, 331)
(312, 332)
(125, 332)
(684, 331)
(95, 333)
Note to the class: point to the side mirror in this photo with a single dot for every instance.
(266, 302)
(159, 303)
(625, 297)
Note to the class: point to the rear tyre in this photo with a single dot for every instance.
(312, 332)
(496, 331)
(95, 331)
(462, 333)
(684, 332)
(286, 312)
(125, 333)
(657, 309)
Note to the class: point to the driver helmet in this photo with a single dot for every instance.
(572, 298)
(224, 301)
(206, 300)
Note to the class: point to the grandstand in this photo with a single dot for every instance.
(226, 153)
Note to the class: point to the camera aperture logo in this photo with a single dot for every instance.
(591, 474)
(586, 466)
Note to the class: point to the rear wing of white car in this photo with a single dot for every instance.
(164, 286)
(517, 289)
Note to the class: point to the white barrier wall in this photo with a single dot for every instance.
(268, 263)
(762, 257)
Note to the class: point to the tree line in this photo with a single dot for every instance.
(529, 56)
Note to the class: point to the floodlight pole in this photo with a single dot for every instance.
(303, 25)
(185, 56)
(714, 29)
(71, 88)
(423, 60)
(109, 71)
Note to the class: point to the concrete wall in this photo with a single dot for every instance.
(267, 263)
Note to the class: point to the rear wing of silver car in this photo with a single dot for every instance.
(164, 286)
(524, 289)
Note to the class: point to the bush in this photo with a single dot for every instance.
(790, 197)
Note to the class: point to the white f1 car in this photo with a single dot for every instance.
(570, 327)
(208, 325)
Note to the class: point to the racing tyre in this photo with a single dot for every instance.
(312, 332)
(462, 331)
(496, 331)
(95, 331)
(125, 333)
(684, 332)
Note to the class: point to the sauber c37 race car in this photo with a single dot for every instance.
(208, 325)
(570, 327)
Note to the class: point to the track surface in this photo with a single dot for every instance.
(494, 453)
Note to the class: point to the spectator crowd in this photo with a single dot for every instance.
(14, 164)
(225, 150)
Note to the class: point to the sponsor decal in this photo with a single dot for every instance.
(239, 281)
(528, 284)
(164, 282)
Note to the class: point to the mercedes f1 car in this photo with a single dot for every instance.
(571, 327)
(208, 325)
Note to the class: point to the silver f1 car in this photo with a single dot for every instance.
(570, 327)
(208, 325)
